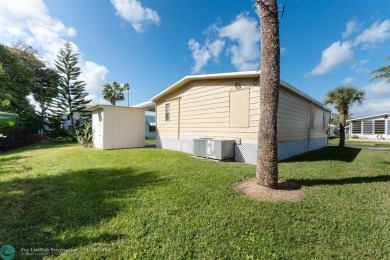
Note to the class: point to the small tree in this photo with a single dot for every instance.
(45, 92)
(114, 92)
(71, 100)
(342, 98)
(84, 134)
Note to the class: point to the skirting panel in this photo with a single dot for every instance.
(246, 151)
(167, 142)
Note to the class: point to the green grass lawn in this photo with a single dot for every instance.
(64, 200)
(150, 141)
(336, 140)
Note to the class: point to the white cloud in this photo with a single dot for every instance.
(202, 54)
(360, 66)
(243, 38)
(348, 81)
(376, 100)
(94, 75)
(245, 51)
(335, 55)
(215, 47)
(339, 53)
(374, 36)
(137, 15)
(352, 27)
(30, 21)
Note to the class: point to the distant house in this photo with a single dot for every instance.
(375, 127)
(150, 125)
(226, 106)
(334, 130)
(150, 119)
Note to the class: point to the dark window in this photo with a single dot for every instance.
(152, 128)
(167, 112)
(380, 126)
(356, 127)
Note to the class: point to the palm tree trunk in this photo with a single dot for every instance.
(267, 151)
(342, 130)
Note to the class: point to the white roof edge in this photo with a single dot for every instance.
(98, 106)
(147, 104)
(360, 118)
(189, 78)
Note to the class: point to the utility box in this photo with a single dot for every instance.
(214, 148)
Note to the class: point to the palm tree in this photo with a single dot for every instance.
(382, 72)
(126, 86)
(342, 98)
(113, 92)
(267, 151)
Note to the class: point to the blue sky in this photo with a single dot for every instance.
(152, 44)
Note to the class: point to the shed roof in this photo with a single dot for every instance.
(99, 107)
(231, 75)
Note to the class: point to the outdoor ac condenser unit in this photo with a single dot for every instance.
(214, 148)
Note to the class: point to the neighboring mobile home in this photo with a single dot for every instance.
(150, 118)
(226, 106)
(116, 127)
(376, 127)
(150, 125)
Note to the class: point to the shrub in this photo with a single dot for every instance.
(84, 134)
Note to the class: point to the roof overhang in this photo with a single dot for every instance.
(386, 115)
(150, 105)
(232, 75)
(101, 107)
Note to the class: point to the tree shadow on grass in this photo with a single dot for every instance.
(11, 159)
(43, 212)
(44, 144)
(7, 163)
(330, 153)
(351, 180)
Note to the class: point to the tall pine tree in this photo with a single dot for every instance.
(71, 102)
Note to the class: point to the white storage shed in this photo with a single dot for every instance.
(116, 127)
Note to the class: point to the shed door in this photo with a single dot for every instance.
(97, 128)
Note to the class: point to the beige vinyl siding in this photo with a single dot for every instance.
(318, 129)
(168, 127)
(205, 109)
(293, 117)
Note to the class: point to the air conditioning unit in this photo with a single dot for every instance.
(214, 148)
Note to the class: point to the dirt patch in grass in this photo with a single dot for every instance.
(287, 191)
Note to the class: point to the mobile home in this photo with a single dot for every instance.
(375, 127)
(226, 106)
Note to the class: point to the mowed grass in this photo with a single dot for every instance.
(336, 140)
(63, 200)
